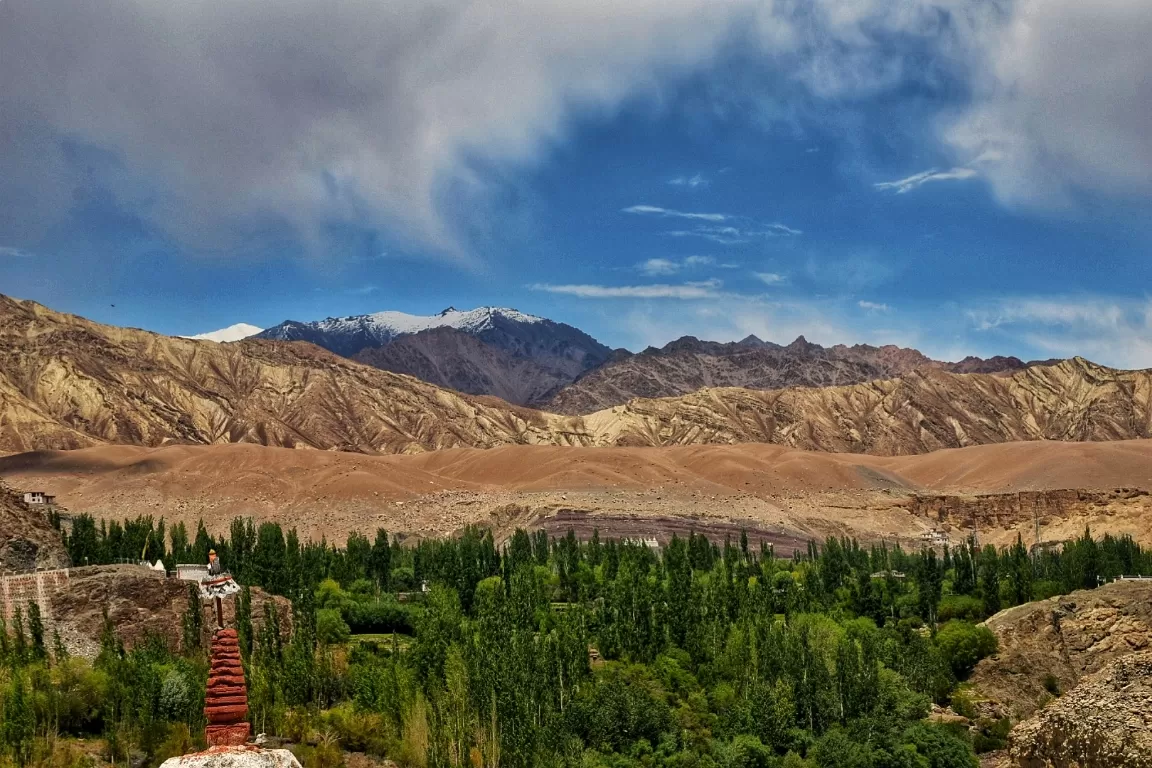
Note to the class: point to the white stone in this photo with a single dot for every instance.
(235, 757)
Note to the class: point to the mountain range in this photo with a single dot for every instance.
(530, 360)
(66, 382)
(495, 351)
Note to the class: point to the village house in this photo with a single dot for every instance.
(39, 498)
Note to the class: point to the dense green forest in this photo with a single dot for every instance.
(552, 652)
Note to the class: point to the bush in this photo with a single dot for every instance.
(330, 627)
(960, 607)
(963, 645)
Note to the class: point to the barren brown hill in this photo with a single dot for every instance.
(924, 411)
(66, 382)
(783, 495)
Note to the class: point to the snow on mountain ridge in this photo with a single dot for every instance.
(385, 326)
(231, 333)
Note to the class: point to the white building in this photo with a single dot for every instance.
(38, 497)
(186, 572)
(933, 538)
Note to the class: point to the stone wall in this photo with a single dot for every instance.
(36, 587)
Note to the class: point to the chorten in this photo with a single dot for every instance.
(226, 702)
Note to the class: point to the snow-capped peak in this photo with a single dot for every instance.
(231, 333)
(388, 325)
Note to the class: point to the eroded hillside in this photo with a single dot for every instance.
(66, 383)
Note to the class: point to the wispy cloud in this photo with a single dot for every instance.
(655, 210)
(872, 306)
(1113, 331)
(934, 174)
(672, 266)
(729, 235)
(691, 182)
(8, 252)
(706, 289)
(771, 278)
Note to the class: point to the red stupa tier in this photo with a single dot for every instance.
(226, 702)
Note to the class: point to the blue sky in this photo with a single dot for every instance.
(922, 173)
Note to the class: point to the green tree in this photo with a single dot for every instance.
(990, 579)
(37, 650)
(192, 622)
(963, 644)
(18, 724)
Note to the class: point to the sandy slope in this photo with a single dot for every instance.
(794, 493)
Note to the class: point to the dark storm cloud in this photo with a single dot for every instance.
(217, 120)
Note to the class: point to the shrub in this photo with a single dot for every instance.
(330, 627)
(960, 607)
(963, 645)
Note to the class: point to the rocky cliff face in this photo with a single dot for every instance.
(27, 541)
(1065, 637)
(688, 364)
(140, 602)
(1104, 722)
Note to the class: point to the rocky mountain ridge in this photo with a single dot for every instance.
(689, 364)
(66, 382)
(457, 360)
(497, 351)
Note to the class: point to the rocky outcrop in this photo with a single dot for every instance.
(235, 757)
(1049, 645)
(1009, 510)
(1104, 722)
(140, 602)
(27, 541)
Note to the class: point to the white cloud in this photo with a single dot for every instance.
(1062, 98)
(8, 252)
(912, 182)
(706, 289)
(730, 235)
(771, 278)
(691, 182)
(872, 306)
(228, 118)
(1107, 330)
(668, 212)
(672, 266)
(660, 267)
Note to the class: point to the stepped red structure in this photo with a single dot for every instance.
(226, 702)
